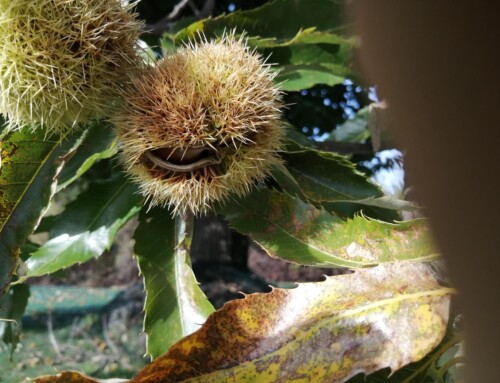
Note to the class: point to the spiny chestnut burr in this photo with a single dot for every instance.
(201, 124)
(63, 61)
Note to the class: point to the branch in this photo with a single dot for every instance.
(52, 338)
(207, 10)
(107, 339)
(163, 25)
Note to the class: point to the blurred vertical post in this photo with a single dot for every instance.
(436, 64)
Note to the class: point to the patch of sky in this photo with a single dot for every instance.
(316, 136)
(372, 94)
(321, 138)
(349, 95)
(303, 92)
(231, 7)
(353, 103)
(387, 171)
(349, 112)
(327, 102)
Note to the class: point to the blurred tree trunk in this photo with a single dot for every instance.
(214, 241)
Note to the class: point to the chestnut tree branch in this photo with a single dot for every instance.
(166, 22)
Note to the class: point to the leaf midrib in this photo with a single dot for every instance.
(42, 164)
(298, 337)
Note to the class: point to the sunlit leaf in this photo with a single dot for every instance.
(426, 370)
(87, 227)
(298, 232)
(318, 332)
(175, 305)
(29, 165)
(279, 20)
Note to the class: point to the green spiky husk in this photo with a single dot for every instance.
(214, 95)
(62, 61)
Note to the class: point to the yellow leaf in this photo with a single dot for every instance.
(387, 316)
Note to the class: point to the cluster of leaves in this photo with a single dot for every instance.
(318, 210)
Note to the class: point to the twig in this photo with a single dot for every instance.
(107, 339)
(177, 9)
(207, 10)
(52, 338)
(165, 23)
(162, 25)
(193, 7)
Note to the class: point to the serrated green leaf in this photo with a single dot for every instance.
(386, 316)
(327, 176)
(29, 165)
(290, 185)
(175, 305)
(87, 227)
(298, 232)
(280, 20)
(331, 181)
(98, 143)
